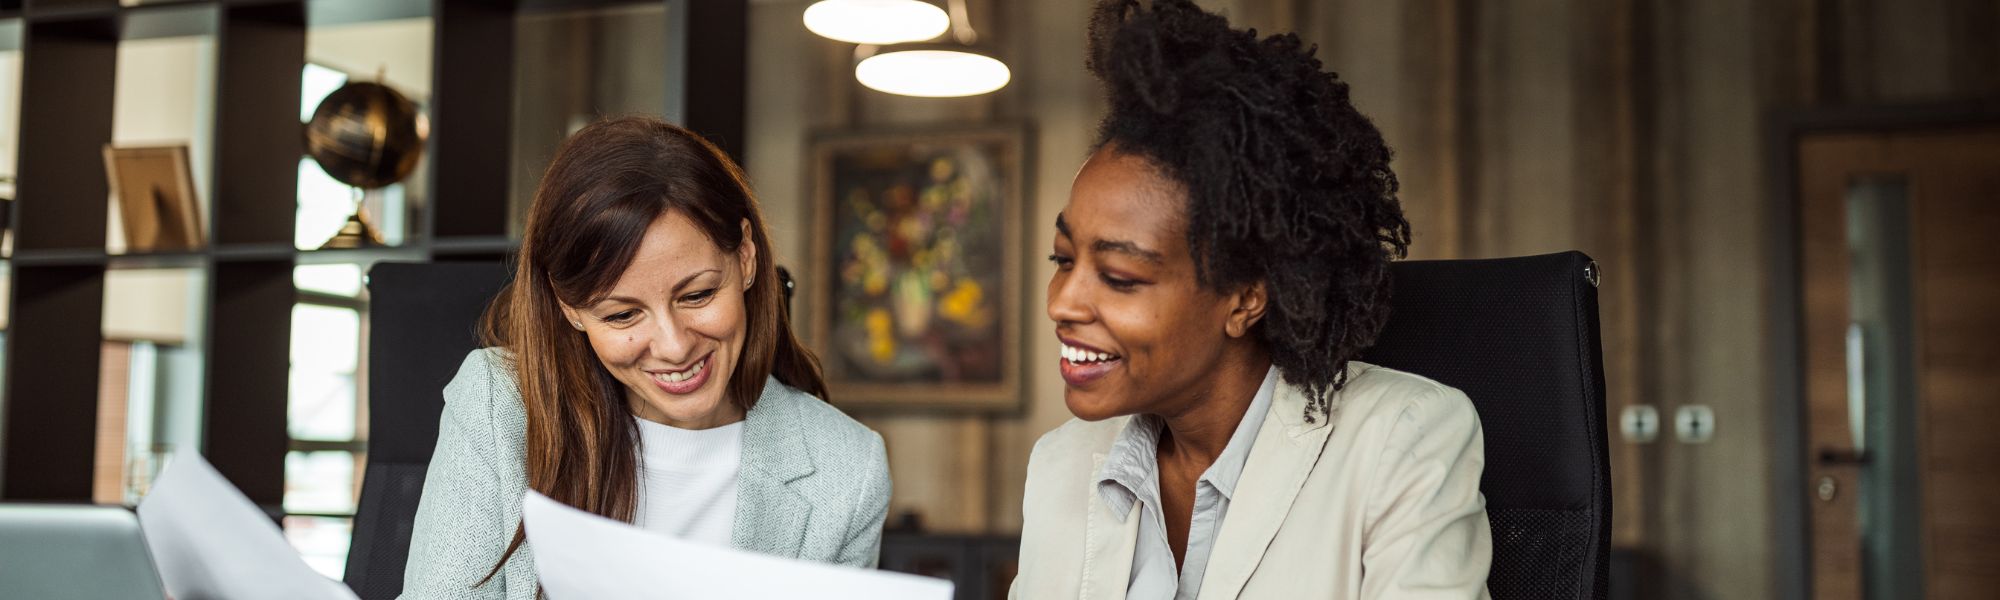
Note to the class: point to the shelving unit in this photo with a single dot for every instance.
(58, 265)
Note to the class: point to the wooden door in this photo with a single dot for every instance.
(1900, 251)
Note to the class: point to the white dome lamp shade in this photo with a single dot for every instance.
(932, 71)
(877, 21)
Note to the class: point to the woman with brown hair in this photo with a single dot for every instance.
(642, 367)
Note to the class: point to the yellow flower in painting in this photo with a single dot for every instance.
(881, 344)
(935, 197)
(942, 169)
(876, 282)
(966, 304)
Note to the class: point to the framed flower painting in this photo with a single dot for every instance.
(916, 268)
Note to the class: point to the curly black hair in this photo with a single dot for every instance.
(1286, 182)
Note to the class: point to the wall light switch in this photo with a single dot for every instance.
(1694, 424)
(1640, 423)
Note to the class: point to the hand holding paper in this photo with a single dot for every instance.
(581, 555)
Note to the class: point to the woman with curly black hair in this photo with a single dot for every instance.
(1223, 258)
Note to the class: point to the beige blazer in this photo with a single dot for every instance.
(1379, 501)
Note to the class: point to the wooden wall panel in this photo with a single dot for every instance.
(1958, 289)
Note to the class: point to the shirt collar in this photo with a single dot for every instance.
(1131, 465)
(1228, 466)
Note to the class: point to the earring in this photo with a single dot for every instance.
(577, 324)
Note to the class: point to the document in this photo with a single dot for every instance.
(579, 555)
(211, 542)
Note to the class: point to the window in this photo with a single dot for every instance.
(325, 414)
(327, 398)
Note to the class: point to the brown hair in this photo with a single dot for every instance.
(607, 185)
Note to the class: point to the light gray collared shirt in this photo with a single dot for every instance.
(1130, 477)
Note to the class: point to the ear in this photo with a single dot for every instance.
(574, 316)
(746, 257)
(1247, 308)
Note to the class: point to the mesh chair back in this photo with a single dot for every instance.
(1520, 336)
(422, 320)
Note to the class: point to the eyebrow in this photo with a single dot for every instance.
(677, 287)
(1118, 246)
(1129, 249)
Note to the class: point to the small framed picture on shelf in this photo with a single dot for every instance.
(154, 189)
(915, 283)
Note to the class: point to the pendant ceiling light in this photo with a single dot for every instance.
(877, 21)
(931, 70)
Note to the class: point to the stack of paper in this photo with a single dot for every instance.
(209, 541)
(579, 555)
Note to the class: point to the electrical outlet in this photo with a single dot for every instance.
(1694, 424)
(1640, 423)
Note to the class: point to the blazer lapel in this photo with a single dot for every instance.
(1108, 544)
(1287, 448)
(771, 517)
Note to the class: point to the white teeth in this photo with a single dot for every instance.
(1079, 355)
(683, 375)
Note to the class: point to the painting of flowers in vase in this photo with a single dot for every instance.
(916, 269)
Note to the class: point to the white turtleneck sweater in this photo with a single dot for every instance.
(687, 481)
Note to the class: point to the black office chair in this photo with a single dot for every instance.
(1520, 337)
(421, 323)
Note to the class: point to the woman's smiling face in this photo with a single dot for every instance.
(1139, 332)
(672, 328)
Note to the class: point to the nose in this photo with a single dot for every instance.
(1066, 302)
(672, 342)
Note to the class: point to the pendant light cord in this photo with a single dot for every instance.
(961, 24)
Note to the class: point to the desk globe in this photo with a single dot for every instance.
(369, 136)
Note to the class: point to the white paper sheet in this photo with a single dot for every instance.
(579, 555)
(211, 542)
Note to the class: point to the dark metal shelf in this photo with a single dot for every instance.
(191, 259)
(72, 12)
(475, 246)
(362, 255)
(58, 258)
(253, 252)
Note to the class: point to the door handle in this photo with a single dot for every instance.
(1857, 389)
(1842, 456)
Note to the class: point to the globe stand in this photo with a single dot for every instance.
(368, 136)
(357, 232)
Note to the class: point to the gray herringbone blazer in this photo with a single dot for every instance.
(814, 485)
